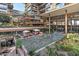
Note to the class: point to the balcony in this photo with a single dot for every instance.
(34, 5)
(27, 5)
(42, 9)
(3, 3)
(34, 9)
(42, 4)
(67, 4)
(3, 8)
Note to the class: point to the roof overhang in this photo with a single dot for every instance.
(70, 9)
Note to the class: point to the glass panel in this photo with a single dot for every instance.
(59, 5)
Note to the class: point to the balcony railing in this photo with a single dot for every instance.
(3, 3)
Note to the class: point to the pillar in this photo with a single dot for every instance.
(49, 24)
(75, 26)
(66, 22)
(56, 25)
(71, 25)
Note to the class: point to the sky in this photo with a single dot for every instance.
(19, 6)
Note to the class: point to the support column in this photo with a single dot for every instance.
(56, 25)
(71, 25)
(66, 22)
(75, 25)
(49, 24)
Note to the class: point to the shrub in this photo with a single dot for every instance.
(5, 18)
(18, 43)
(51, 51)
(32, 52)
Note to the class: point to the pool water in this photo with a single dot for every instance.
(37, 42)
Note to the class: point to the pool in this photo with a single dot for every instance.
(37, 42)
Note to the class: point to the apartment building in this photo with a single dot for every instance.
(6, 8)
(32, 17)
(3, 8)
(47, 7)
(9, 9)
(35, 9)
(60, 16)
(17, 13)
(63, 17)
(57, 13)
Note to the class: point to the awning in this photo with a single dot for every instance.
(70, 9)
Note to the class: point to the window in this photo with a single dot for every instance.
(77, 22)
(59, 5)
(29, 8)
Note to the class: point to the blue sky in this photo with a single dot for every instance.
(19, 6)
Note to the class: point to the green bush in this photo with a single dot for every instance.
(5, 18)
(18, 43)
(64, 47)
(71, 46)
(73, 36)
(68, 48)
(74, 52)
(51, 51)
(32, 52)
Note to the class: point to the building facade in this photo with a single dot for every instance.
(63, 17)
(3, 8)
(58, 16)
(6, 8)
(32, 10)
